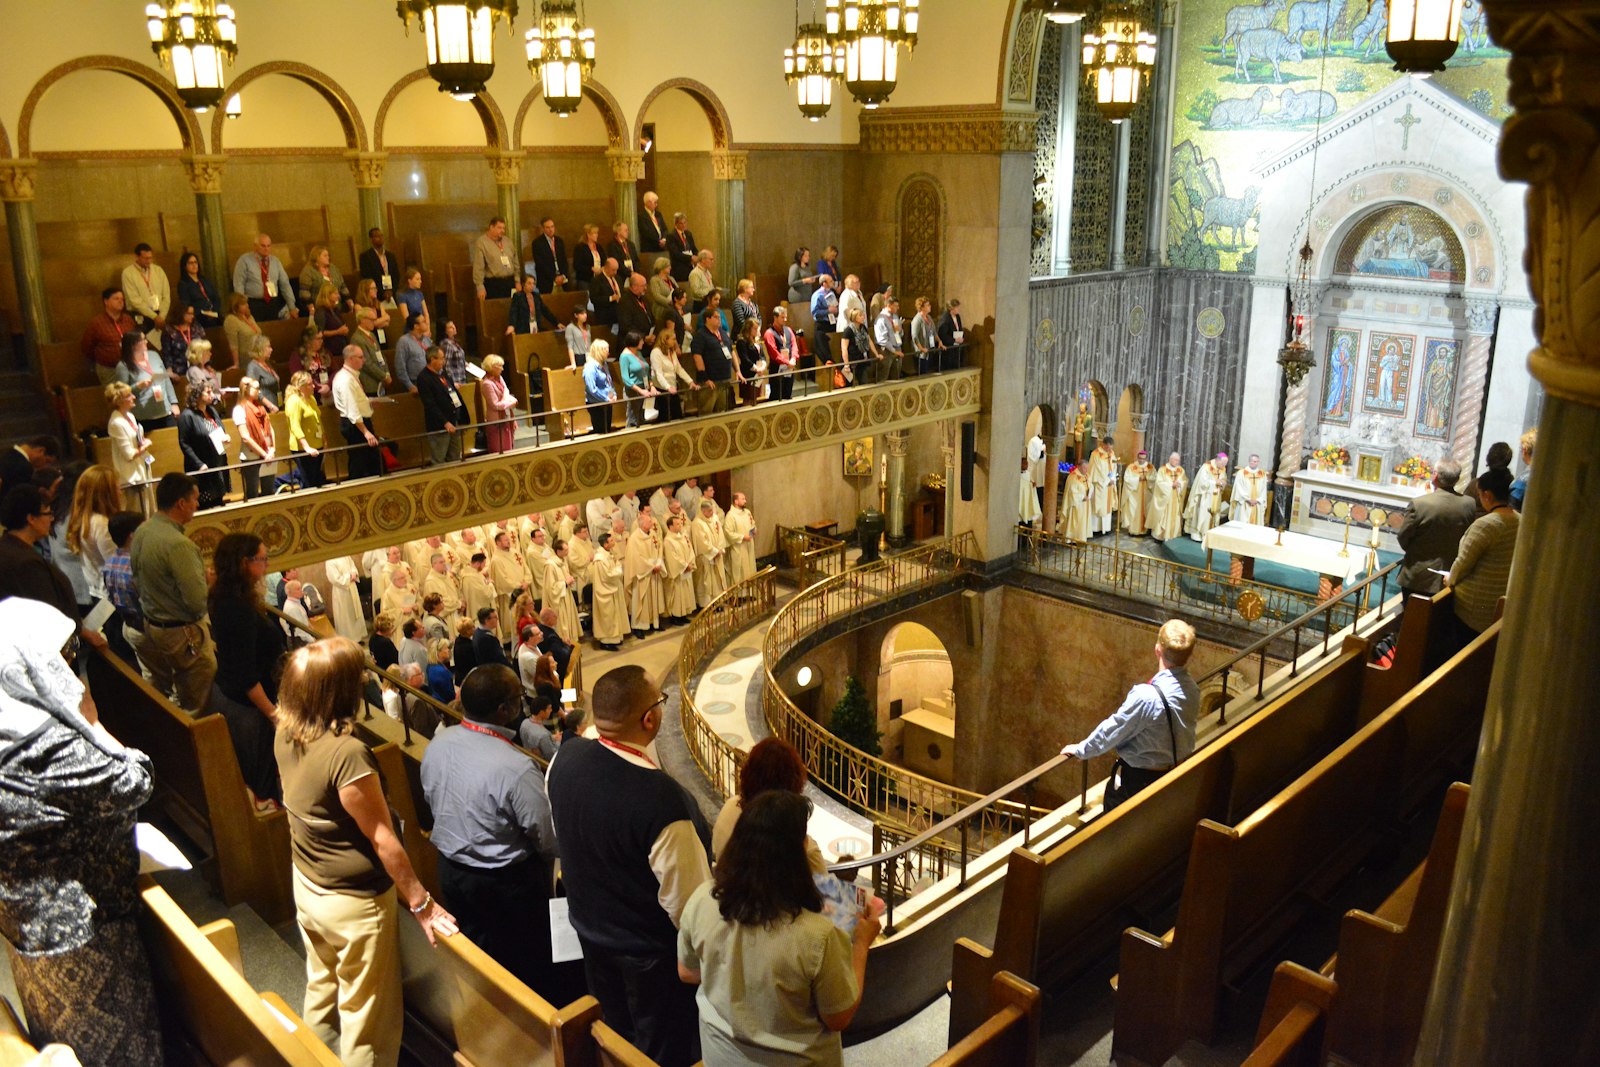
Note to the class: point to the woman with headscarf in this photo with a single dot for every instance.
(69, 796)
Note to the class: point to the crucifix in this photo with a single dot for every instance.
(1405, 122)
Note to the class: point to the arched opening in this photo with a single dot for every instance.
(1042, 422)
(278, 111)
(601, 124)
(422, 117)
(1090, 419)
(916, 701)
(680, 124)
(1130, 424)
(565, 174)
(76, 115)
(5, 143)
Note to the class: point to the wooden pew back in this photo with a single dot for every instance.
(561, 304)
(1009, 1037)
(203, 991)
(200, 787)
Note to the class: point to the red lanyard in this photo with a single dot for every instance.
(475, 728)
(629, 749)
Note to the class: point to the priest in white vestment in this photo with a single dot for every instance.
(710, 547)
(658, 502)
(688, 497)
(440, 580)
(401, 599)
(580, 560)
(392, 559)
(1102, 486)
(344, 598)
(643, 575)
(476, 590)
(610, 618)
(628, 504)
(1076, 523)
(1250, 493)
(567, 522)
(599, 512)
(1136, 495)
(739, 526)
(1169, 488)
(507, 574)
(678, 557)
(556, 591)
(1205, 497)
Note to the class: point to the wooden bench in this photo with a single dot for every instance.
(202, 992)
(1009, 1037)
(1365, 1005)
(1062, 909)
(1247, 882)
(200, 788)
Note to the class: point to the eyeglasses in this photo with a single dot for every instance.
(260, 558)
(653, 705)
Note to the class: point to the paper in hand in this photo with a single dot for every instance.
(564, 944)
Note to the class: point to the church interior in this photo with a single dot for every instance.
(1171, 311)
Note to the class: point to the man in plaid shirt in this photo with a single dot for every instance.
(126, 631)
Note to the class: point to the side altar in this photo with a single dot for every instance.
(1325, 501)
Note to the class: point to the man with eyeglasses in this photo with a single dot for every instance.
(26, 516)
(633, 847)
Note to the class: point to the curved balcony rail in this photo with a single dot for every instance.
(1200, 592)
(736, 610)
(816, 556)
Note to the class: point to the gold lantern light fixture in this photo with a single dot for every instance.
(1061, 12)
(812, 65)
(197, 40)
(459, 37)
(1296, 357)
(1423, 34)
(871, 33)
(560, 54)
(1118, 56)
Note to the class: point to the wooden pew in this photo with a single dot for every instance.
(1062, 909)
(1247, 882)
(86, 410)
(1009, 1037)
(492, 316)
(61, 363)
(199, 786)
(202, 991)
(564, 389)
(561, 304)
(1365, 1005)
(1423, 641)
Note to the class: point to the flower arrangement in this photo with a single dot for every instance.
(1332, 455)
(1416, 468)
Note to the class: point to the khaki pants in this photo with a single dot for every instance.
(353, 1001)
(181, 660)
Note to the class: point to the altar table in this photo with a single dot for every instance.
(1246, 542)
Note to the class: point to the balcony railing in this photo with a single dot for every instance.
(814, 555)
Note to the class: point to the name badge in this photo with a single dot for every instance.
(505, 261)
(380, 338)
(385, 283)
(155, 302)
(628, 265)
(455, 399)
(272, 290)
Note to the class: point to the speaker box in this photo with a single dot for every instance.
(969, 457)
(972, 615)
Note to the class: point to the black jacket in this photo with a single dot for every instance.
(605, 309)
(677, 246)
(435, 391)
(633, 314)
(948, 325)
(625, 255)
(371, 268)
(521, 320)
(547, 264)
(652, 231)
(486, 647)
(1431, 535)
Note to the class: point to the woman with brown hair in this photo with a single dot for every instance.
(250, 646)
(328, 319)
(320, 271)
(367, 297)
(239, 327)
(772, 764)
(350, 868)
(94, 500)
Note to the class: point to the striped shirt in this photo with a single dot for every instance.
(1482, 569)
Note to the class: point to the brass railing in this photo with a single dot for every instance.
(814, 555)
(1198, 591)
(735, 611)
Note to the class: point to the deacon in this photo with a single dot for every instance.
(1205, 500)
(508, 575)
(440, 580)
(1250, 493)
(740, 527)
(1102, 486)
(678, 555)
(1168, 488)
(710, 546)
(643, 575)
(1076, 526)
(580, 560)
(476, 591)
(555, 587)
(1136, 495)
(610, 621)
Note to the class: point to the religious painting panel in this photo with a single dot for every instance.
(858, 458)
(1339, 376)
(1388, 378)
(1436, 387)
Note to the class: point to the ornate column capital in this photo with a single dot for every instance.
(367, 168)
(17, 179)
(1481, 316)
(1552, 142)
(625, 166)
(507, 167)
(895, 442)
(204, 172)
(729, 166)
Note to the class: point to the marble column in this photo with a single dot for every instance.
(1517, 970)
(627, 170)
(367, 168)
(1052, 479)
(507, 167)
(1473, 376)
(728, 169)
(17, 178)
(894, 523)
(1119, 196)
(1158, 192)
(205, 178)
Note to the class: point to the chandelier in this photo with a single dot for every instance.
(1118, 58)
(812, 65)
(1295, 357)
(1060, 12)
(560, 54)
(1423, 34)
(460, 40)
(871, 33)
(197, 40)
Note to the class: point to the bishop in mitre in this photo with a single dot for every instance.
(1205, 497)
(1169, 488)
(1136, 478)
(710, 546)
(1102, 486)
(643, 576)
(678, 556)
(1076, 524)
(610, 618)
(740, 528)
(555, 586)
(1250, 493)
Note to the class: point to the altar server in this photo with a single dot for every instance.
(1250, 493)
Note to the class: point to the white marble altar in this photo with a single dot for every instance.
(1321, 499)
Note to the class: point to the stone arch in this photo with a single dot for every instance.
(149, 77)
(494, 123)
(1048, 423)
(1131, 422)
(604, 102)
(344, 107)
(5, 143)
(914, 667)
(921, 215)
(716, 114)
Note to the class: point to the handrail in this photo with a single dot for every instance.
(818, 557)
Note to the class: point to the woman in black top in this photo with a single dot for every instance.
(197, 292)
(381, 643)
(199, 430)
(462, 657)
(250, 648)
(587, 257)
(860, 349)
(748, 349)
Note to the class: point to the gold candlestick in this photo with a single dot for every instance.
(1344, 552)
